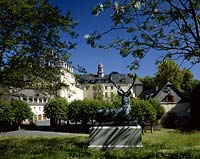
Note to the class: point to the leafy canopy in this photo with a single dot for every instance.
(169, 26)
(31, 44)
(56, 108)
(21, 110)
(169, 71)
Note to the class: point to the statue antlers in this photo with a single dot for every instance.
(120, 90)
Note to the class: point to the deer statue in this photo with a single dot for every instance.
(119, 114)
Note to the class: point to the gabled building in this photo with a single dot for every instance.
(170, 98)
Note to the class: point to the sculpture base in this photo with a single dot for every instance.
(118, 123)
(115, 136)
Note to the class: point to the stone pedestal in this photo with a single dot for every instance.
(115, 136)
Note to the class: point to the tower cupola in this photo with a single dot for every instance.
(100, 70)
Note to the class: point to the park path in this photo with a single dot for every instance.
(38, 133)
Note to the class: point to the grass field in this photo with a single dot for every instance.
(160, 144)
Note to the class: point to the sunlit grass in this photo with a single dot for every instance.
(172, 139)
(160, 144)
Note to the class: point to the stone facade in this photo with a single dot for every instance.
(37, 101)
(101, 81)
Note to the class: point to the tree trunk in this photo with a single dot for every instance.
(151, 127)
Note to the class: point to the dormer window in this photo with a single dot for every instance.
(169, 98)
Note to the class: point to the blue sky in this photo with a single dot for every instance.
(89, 57)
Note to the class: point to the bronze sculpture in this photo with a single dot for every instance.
(119, 115)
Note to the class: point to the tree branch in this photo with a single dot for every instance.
(184, 20)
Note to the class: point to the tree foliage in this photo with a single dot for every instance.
(6, 113)
(160, 111)
(169, 26)
(98, 92)
(169, 71)
(195, 107)
(31, 45)
(143, 111)
(56, 109)
(148, 83)
(85, 111)
(21, 111)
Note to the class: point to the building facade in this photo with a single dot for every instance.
(100, 84)
(72, 91)
(171, 99)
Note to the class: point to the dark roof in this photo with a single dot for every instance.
(148, 93)
(116, 77)
(154, 92)
(172, 86)
(30, 92)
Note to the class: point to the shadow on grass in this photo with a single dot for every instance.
(29, 146)
(60, 128)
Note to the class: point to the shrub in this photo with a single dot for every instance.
(21, 111)
(143, 111)
(56, 110)
(85, 110)
(169, 120)
(160, 111)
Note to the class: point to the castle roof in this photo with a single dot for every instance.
(116, 77)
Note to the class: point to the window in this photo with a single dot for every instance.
(111, 87)
(35, 100)
(25, 99)
(106, 87)
(111, 96)
(45, 100)
(169, 98)
(30, 100)
(39, 108)
(40, 100)
(40, 117)
(87, 87)
(106, 94)
(44, 116)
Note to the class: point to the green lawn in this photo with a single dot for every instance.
(160, 144)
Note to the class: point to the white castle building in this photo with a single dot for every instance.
(37, 100)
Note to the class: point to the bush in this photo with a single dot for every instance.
(14, 112)
(56, 110)
(143, 111)
(160, 111)
(6, 113)
(21, 110)
(169, 120)
(85, 111)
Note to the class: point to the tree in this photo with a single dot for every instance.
(56, 110)
(85, 111)
(169, 71)
(195, 107)
(21, 111)
(6, 114)
(143, 111)
(148, 83)
(139, 27)
(98, 92)
(188, 84)
(31, 46)
(160, 111)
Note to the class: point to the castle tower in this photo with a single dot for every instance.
(100, 70)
